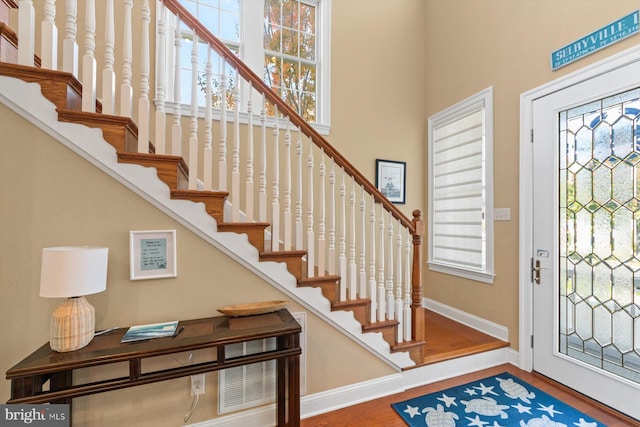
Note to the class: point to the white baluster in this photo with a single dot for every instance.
(344, 283)
(407, 287)
(321, 221)
(249, 184)
(299, 225)
(373, 292)
(144, 106)
(126, 89)
(262, 196)
(362, 279)
(275, 187)
(311, 241)
(389, 284)
(208, 134)
(288, 226)
(159, 135)
(332, 220)
(382, 306)
(69, 45)
(88, 59)
(353, 273)
(176, 127)
(398, 287)
(235, 155)
(222, 151)
(26, 32)
(193, 122)
(108, 74)
(49, 37)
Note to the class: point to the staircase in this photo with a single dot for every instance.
(352, 244)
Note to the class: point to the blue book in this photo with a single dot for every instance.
(146, 332)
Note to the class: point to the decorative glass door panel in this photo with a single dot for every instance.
(599, 227)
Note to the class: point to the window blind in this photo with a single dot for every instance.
(459, 232)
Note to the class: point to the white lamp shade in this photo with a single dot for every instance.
(73, 271)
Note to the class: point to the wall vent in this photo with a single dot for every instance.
(255, 385)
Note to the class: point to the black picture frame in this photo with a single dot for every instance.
(391, 180)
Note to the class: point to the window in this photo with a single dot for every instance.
(285, 41)
(290, 53)
(460, 174)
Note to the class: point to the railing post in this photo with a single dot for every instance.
(108, 73)
(69, 45)
(126, 88)
(417, 317)
(26, 32)
(49, 37)
(159, 133)
(89, 60)
(144, 105)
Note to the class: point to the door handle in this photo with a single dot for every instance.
(535, 271)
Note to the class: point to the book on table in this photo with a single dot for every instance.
(150, 331)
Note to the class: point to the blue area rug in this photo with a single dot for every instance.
(498, 401)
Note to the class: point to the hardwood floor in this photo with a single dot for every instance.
(449, 340)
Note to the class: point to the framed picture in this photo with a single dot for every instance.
(391, 180)
(153, 254)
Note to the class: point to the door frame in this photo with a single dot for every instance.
(525, 217)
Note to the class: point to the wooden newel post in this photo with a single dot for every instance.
(417, 311)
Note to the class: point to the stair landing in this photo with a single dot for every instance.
(448, 339)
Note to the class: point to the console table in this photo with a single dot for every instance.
(29, 375)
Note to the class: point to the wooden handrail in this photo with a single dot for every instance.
(258, 84)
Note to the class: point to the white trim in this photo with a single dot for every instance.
(342, 397)
(171, 107)
(478, 276)
(481, 101)
(526, 182)
(485, 326)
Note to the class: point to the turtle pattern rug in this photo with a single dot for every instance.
(497, 401)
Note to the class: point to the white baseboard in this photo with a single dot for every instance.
(475, 322)
(342, 397)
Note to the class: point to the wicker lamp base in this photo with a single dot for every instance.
(72, 325)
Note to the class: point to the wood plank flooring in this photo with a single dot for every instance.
(448, 340)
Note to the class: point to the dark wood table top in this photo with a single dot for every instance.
(197, 334)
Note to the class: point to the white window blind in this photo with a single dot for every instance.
(461, 232)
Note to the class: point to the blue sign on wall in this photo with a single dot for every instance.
(612, 33)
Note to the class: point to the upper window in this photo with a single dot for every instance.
(285, 41)
(461, 189)
(290, 53)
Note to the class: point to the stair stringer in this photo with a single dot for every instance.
(27, 101)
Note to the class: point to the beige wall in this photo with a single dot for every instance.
(377, 82)
(471, 45)
(50, 197)
(443, 51)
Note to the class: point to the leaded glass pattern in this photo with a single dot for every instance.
(600, 234)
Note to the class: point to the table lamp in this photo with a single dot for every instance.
(72, 272)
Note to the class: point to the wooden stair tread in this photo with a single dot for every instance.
(233, 226)
(170, 169)
(342, 305)
(311, 281)
(120, 132)
(9, 53)
(374, 327)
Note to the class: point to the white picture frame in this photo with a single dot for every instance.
(152, 254)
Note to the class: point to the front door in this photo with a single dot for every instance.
(586, 237)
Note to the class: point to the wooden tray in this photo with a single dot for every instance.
(252, 308)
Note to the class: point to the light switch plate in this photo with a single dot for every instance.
(502, 214)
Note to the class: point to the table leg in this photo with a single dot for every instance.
(288, 384)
